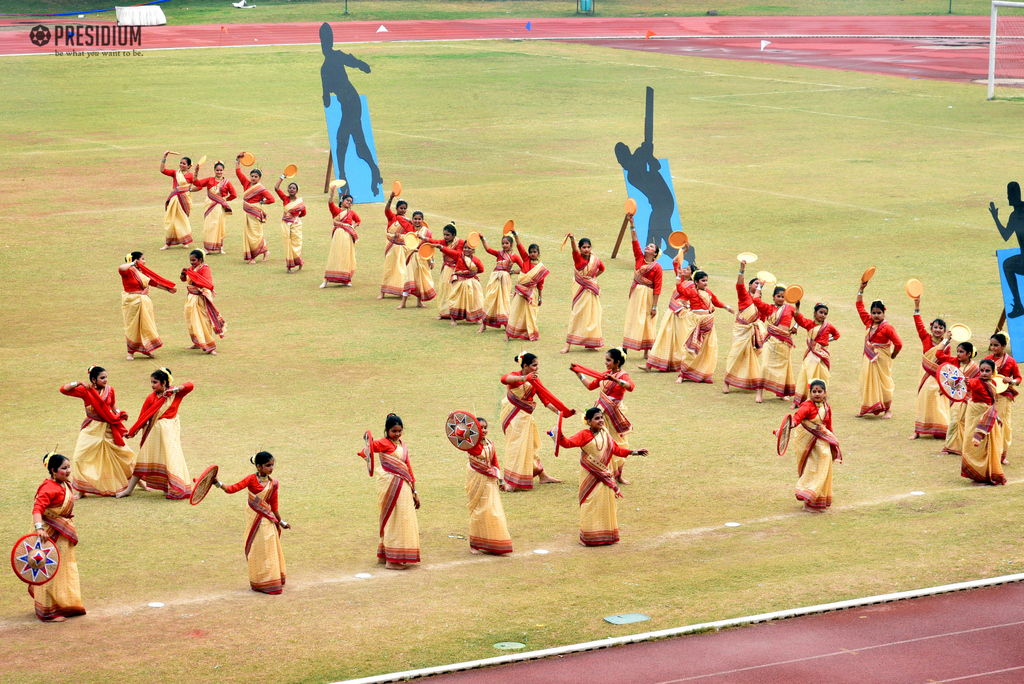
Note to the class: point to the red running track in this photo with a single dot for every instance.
(943, 47)
(970, 636)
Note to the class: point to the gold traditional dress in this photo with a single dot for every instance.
(522, 316)
(488, 529)
(585, 317)
(610, 403)
(201, 316)
(776, 358)
(598, 522)
(816, 447)
(666, 354)
(177, 229)
(522, 438)
(395, 254)
(341, 260)
(419, 282)
(958, 413)
(1006, 366)
(876, 385)
(982, 462)
(218, 194)
(399, 530)
(102, 463)
(466, 296)
(140, 331)
(641, 328)
(62, 595)
(161, 461)
(931, 417)
(498, 294)
(263, 551)
(700, 351)
(743, 365)
(253, 242)
(817, 363)
(291, 230)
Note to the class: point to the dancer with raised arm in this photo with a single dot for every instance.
(177, 229)
(219, 192)
(666, 355)
(642, 311)
(341, 260)
(291, 225)
(931, 418)
(419, 282)
(497, 297)
(444, 281)
(743, 365)
(585, 317)
(777, 358)
(700, 351)
(253, 241)
(817, 363)
(395, 254)
(527, 296)
(881, 346)
(613, 384)
(102, 463)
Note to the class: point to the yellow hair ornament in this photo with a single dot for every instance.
(170, 378)
(128, 258)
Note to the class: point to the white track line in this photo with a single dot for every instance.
(980, 674)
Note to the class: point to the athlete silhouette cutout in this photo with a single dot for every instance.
(643, 172)
(1013, 266)
(335, 80)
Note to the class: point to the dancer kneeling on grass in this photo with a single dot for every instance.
(964, 360)
(614, 385)
(642, 311)
(136, 306)
(341, 260)
(161, 461)
(667, 352)
(817, 364)
(1007, 368)
(201, 316)
(291, 225)
(700, 351)
(816, 446)
(263, 525)
(253, 242)
(102, 462)
(488, 528)
(881, 346)
(397, 500)
(52, 513)
(499, 287)
(932, 415)
(983, 436)
(465, 295)
(598, 491)
(527, 296)
(743, 366)
(585, 317)
(522, 438)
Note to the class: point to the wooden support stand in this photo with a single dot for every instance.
(622, 232)
(330, 172)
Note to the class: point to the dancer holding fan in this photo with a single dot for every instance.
(932, 416)
(881, 346)
(642, 311)
(465, 296)
(743, 365)
(527, 296)
(263, 525)
(419, 283)
(983, 437)
(202, 317)
(341, 260)
(964, 360)
(253, 242)
(666, 354)
(777, 359)
(816, 447)
(102, 462)
(395, 253)
(291, 222)
(219, 192)
(499, 287)
(598, 521)
(585, 318)
(177, 229)
(613, 383)
(444, 281)
(817, 363)
(522, 438)
(136, 306)
(700, 351)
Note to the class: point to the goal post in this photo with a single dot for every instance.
(1006, 50)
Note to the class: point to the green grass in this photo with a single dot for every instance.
(220, 11)
(819, 172)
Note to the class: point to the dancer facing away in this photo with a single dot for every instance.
(161, 461)
(614, 385)
(395, 253)
(931, 418)
(341, 260)
(177, 229)
(52, 513)
(981, 460)
(527, 296)
(1006, 367)
(743, 365)
(488, 528)
(777, 359)
(253, 241)
(642, 311)
(666, 354)
(263, 525)
(140, 331)
(964, 360)
(499, 288)
(585, 317)
(522, 438)
(201, 316)
(700, 351)
(444, 281)
(881, 346)
(816, 447)
(219, 192)
(397, 500)
(598, 522)
(817, 363)
(102, 462)
(465, 296)
(419, 282)
(291, 225)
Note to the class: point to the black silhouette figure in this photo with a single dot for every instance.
(643, 172)
(1013, 266)
(335, 80)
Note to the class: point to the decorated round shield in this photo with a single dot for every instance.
(248, 159)
(782, 435)
(952, 382)
(201, 487)
(368, 451)
(462, 430)
(35, 561)
(630, 206)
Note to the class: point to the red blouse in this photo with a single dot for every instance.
(352, 218)
(458, 262)
(581, 263)
(617, 391)
(246, 183)
(656, 274)
(923, 332)
(386, 446)
(406, 224)
(527, 265)
(809, 411)
(211, 182)
(189, 177)
(979, 393)
(745, 299)
(501, 256)
(153, 403)
(827, 333)
(1006, 366)
(130, 281)
(885, 333)
(696, 303)
(200, 278)
(766, 310)
(49, 495)
(254, 486)
(300, 211)
(585, 436)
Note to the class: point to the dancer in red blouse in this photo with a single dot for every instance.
(52, 514)
(881, 346)
(1007, 368)
(817, 363)
(291, 225)
(219, 192)
(255, 195)
(177, 229)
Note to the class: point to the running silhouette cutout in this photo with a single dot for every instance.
(1013, 266)
(334, 78)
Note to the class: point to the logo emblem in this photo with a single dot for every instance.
(39, 35)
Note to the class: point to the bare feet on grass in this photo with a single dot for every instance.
(396, 566)
(547, 479)
(476, 552)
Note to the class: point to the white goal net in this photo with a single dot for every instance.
(1006, 51)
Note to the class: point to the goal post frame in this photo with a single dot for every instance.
(996, 4)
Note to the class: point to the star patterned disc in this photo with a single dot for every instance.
(35, 561)
(462, 430)
(952, 382)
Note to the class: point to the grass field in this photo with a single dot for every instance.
(219, 11)
(821, 173)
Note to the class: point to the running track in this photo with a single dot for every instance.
(941, 47)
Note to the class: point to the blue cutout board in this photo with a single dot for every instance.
(1014, 326)
(357, 173)
(626, 618)
(642, 217)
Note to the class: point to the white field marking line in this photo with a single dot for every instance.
(787, 92)
(785, 196)
(980, 674)
(845, 652)
(680, 631)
